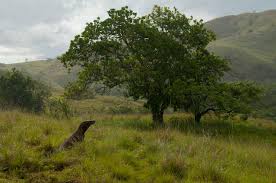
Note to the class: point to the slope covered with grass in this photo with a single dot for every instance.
(126, 148)
(248, 41)
(52, 72)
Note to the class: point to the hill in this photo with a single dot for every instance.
(51, 72)
(248, 41)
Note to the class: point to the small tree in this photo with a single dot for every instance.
(220, 98)
(18, 90)
(146, 54)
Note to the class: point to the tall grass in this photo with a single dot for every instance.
(127, 148)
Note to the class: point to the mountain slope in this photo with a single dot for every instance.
(249, 42)
(51, 72)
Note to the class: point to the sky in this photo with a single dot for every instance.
(42, 29)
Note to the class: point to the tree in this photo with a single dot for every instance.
(229, 98)
(18, 90)
(145, 54)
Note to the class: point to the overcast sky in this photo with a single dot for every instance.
(40, 29)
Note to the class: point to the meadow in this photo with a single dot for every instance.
(128, 148)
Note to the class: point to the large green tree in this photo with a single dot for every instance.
(148, 54)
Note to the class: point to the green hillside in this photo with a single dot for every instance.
(51, 72)
(248, 41)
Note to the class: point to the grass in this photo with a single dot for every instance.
(127, 148)
(107, 105)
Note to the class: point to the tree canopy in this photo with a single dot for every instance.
(155, 57)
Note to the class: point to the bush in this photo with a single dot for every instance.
(19, 90)
(77, 91)
(58, 107)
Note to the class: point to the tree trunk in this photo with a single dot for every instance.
(157, 117)
(198, 118)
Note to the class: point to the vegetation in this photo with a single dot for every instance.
(58, 107)
(50, 72)
(221, 98)
(146, 54)
(154, 57)
(78, 91)
(127, 148)
(160, 60)
(250, 53)
(18, 90)
(107, 105)
(267, 107)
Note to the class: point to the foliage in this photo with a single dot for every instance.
(267, 107)
(18, 90)
(146, 54)
(77, 91)
(230, 98)
(58, 107)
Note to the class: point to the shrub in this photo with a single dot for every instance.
(19, 90)
(77, 91)
(58, 107)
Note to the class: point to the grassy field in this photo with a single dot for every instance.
(107, 105)
(124, 146)
(127, 148)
